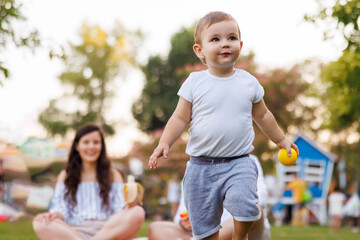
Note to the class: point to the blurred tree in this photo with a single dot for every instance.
(10, 13)
(286, 97)
(89, 78)
(163, 79)
(345, 14)
(341, 79)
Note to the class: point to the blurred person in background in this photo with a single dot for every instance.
(88, 199)
(297, 187)
(351, 208)
(336, 204)
(173, 194)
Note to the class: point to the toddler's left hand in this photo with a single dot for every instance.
(287, 144)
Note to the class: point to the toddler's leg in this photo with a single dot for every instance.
(257, 230)
(241, 230)
(241, 197)
(203, 199)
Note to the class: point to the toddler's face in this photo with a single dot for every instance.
(220, 44)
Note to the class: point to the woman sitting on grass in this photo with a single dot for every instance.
(88, 201)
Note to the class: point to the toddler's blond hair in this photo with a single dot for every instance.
(208, 20)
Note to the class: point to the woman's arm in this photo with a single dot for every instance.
(59, 205)
(117, 176)
(61, 177)
(47, 217)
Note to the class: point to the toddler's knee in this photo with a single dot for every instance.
(241, 229)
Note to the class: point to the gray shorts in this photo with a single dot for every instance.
(208, 185)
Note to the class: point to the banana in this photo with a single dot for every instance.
(133, 191)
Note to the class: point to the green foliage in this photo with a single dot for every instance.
(342, 98)
(163, 79)
(283, 90)
(283, 87)
(342, 83)
(91, 69)
(152, 110)
(346, 15)
(341, 77)
(10, 12)
(181, 52)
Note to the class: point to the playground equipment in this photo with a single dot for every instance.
(315, 167)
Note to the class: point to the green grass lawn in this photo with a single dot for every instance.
(22, 230)
(312, 233)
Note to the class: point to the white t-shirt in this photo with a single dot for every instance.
(336, 203)
(221, 121)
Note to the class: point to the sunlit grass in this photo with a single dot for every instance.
(22, 230)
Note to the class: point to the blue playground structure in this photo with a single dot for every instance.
(315, 167)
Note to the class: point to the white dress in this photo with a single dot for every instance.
(89, 202)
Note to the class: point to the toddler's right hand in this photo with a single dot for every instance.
(161, 150)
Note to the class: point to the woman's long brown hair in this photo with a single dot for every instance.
(74, 166)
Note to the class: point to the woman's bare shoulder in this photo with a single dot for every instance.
(61, 177)
(117, 176)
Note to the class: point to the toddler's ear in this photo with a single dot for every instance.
(241, 45)
(198, 52)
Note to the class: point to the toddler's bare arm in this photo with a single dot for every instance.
(173, 130)
(268, 125)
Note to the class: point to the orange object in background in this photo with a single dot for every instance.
(183, 214)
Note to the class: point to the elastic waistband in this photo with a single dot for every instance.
(214, 160)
